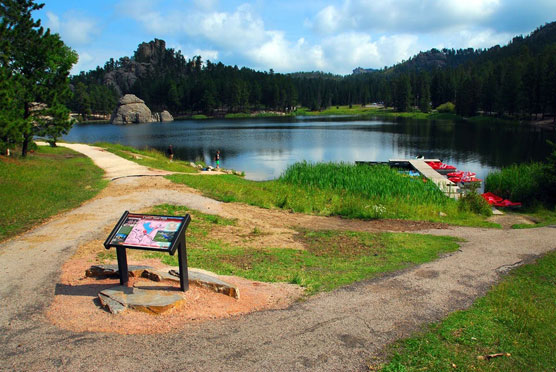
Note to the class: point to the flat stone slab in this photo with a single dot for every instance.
(150, 301)
(198, 277)
(111, 271)
(209, 280)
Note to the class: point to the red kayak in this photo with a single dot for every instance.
(441, 167)
(462, 174)
(464, 179)
(497, 201)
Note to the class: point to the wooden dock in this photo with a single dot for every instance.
(448, 187)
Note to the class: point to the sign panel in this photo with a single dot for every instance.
(147, 232)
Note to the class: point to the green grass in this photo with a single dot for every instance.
(526, 183)
(244, 115)
(343, 190)
(46, 182)
(517, 317)
(358, 110)
(149, 158)
(541, 215)
(331, 258)
(199, 117)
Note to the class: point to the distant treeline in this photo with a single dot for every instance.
(517, 80)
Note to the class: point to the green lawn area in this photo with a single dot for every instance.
(358, 110)
(47, 182)
(517, 317)
(541, 215)
(149, 158)
(331, 258)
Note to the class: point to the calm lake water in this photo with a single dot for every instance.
(263, 148)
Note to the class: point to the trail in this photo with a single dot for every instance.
(340, 330)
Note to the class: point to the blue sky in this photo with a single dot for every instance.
(288, 36)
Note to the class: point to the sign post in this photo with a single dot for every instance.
(152, 233)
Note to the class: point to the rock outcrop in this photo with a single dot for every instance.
(163, 116)
(147, 59)
(132, 110)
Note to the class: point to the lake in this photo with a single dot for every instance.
(263, 148)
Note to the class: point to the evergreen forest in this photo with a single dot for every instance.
(517, 80)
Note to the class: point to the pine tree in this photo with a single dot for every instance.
(38, 64)
(402, 93)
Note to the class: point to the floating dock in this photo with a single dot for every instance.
(448, 187)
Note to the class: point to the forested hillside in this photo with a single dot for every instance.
(518, 79)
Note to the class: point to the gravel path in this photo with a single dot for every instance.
(340, 330)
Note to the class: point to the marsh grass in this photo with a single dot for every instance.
(518, 317)
(149, 158)
(339, 189)
(378, 182)
(331, 258)
(46, 182)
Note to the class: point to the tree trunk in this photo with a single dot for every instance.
(25, 145)
(26, 137)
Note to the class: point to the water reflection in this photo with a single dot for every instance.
(264, 148)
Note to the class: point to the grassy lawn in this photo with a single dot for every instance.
(331, 258)
(358, 110)
(541, 215)
(517, 317)
(242, 115)
(344, 190)
(48, 181)
(149, 158)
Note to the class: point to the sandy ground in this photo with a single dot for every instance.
(340, 330)
(76, 306)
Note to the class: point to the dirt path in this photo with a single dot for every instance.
(340, 330)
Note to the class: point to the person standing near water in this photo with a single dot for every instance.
(170, 152)
(217, 159)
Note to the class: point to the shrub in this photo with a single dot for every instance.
(474, 203)
(447, 108)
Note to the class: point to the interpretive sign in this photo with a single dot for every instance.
(152, 233)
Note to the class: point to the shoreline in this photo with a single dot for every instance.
(546, 124)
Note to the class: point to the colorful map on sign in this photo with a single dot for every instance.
(148, 231)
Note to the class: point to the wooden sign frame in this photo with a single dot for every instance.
(131, 232)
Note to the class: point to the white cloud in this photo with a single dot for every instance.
(366, 33)
(207, 54)
(478, 39)
(403, 15)
(84, 63)
(346, 51)
(53, 21)
(206, 4)
(74, 29)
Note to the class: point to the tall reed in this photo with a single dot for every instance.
(374, 182)
(526, 183)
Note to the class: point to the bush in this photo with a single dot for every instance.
(447, 108)
(474, 203)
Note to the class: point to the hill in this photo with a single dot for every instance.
(518, 79)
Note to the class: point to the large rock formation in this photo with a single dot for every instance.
(132, 110)
(147, 60)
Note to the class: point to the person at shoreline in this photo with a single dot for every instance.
(217, 159)
(170, 152)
